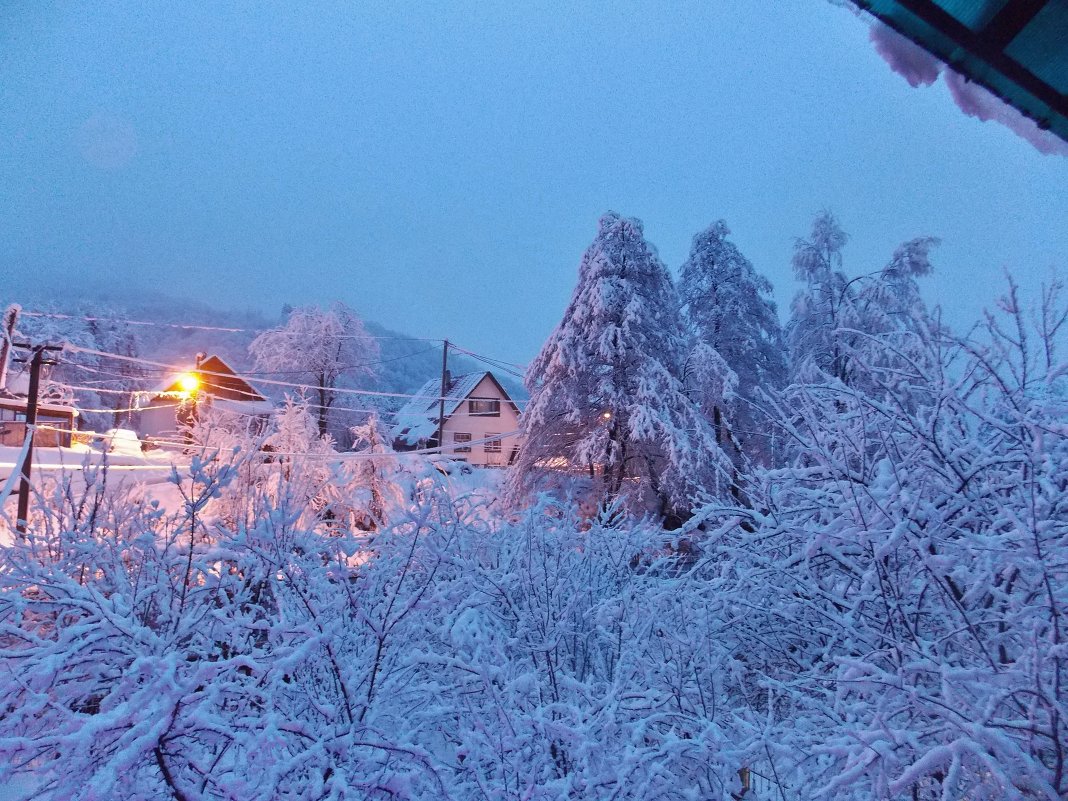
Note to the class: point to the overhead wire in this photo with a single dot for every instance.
(273, 382)
(161, 367)
(217, 328)
(328, 456)
(304, 403)
(500, 363)
(512, 367)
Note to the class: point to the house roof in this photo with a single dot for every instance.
(418, 419)
(1016, 50)
(21, 403)
(218, 379)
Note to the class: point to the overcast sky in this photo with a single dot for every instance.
(441, 167)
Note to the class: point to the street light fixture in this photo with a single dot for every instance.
(188, 383)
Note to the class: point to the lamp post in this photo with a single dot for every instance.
(188, 388)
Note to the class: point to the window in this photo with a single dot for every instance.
(458, 438)
(493, 442)
(484, 407)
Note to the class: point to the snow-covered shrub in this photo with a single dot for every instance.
(905, 581)
(150, 653)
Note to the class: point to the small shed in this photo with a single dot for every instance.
(480, 420)
(56, 422)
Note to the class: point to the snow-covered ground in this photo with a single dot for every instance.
(149, 467)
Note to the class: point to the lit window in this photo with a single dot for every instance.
(458, 438)
(493, 442)
(484, 407)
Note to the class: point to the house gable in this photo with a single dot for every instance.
(418, 420)
(219, 380)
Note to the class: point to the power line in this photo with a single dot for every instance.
(217, 328)
(343, 390)
(303, 403)
(90, 319)
(500, 363)
(341, 368)
(331, 456)
(504, 365)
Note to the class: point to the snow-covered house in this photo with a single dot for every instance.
(211, 386)
(480, 420)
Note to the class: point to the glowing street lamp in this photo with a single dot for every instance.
(188, 383)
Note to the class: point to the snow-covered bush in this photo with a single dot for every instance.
(172, 654)
(904, 582)
(882, 619)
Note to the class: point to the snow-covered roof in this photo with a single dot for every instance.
(243, 407)
(219, 380)
(9, 401)
(418, 419)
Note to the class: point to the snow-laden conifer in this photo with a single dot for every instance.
(730, 310)
(607, 398)
(825, 306)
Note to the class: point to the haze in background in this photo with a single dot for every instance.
(443, 168)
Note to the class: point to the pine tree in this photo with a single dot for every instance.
(825, 307)
(894, 325)
(606, 390)
(729, 308)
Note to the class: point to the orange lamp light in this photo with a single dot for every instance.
(188, 383)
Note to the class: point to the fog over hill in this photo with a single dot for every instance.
(403, 365)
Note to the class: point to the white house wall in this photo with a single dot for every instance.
(158, 421)
(481, 426)
(161, 421)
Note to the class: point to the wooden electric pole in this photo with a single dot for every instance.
(37, 361)
(441, 400)
(11, 319)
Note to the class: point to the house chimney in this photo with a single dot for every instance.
(200, 357)
(448, 380)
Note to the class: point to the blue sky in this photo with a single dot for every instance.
(441, 166)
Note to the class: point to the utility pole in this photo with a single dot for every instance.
(37, 361)
(441, 400)
(11, 318)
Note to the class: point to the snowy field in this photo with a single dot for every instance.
(150, 468)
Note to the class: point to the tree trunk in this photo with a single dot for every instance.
(323, 393)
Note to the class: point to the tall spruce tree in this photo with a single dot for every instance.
(825, 307)
(894, 325)
(606, 391)
(729, 308)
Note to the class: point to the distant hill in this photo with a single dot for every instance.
(404, 363)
